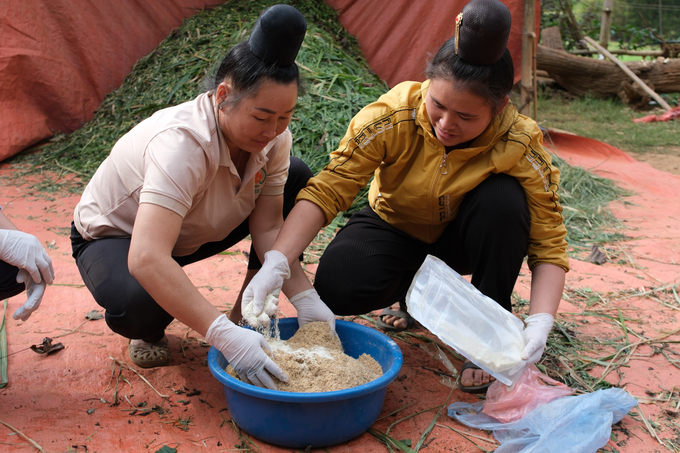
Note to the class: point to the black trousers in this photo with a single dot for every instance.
(130, 310)
(370, 264)
(8, 281)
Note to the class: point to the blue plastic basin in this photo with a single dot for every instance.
(299, 420)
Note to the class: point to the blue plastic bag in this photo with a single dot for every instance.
(571, 424)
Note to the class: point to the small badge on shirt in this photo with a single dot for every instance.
(260, 178)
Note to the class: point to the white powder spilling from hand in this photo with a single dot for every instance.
(263, 318)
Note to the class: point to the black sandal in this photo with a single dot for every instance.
(473, 388)
(403, 314)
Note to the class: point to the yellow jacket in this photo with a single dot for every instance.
(418, 188)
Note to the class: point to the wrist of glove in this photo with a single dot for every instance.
(24, 251)
(261, 296)
(311, 308)
(34, 294)
(244, 349)
(535, 334)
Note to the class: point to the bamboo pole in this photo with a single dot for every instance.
(528, 50)
(630, 73)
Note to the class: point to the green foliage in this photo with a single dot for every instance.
(632, 21)
(557, 13)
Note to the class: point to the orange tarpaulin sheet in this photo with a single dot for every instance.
(399, 37)
(80, 399)
(60, 58)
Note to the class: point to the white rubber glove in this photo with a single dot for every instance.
(267, 281)
(535, 333)
(243, 350)
(270, 310)
(24, 251)
(34, 293)
(310, 308)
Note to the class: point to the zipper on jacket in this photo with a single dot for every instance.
(443, 168)
(377, 200)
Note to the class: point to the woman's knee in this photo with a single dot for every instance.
(500, 199)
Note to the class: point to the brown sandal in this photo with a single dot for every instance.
(149, 355)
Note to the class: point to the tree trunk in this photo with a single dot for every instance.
(602, 78)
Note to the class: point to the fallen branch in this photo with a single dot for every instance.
(630, 73)
(121, 364)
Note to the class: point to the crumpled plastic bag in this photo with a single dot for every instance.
(571, 424)
(462, 317)
(533, 389)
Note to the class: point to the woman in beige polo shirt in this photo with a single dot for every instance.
(189, 182)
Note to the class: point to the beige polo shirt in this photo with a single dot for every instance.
(178, 159)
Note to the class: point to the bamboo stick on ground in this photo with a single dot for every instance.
(630, 73)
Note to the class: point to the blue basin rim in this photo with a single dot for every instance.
(216, 361)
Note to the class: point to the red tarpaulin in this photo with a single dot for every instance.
(60, 58)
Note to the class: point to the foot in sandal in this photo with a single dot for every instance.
(149, 355)
(395, 319)
(473, 379)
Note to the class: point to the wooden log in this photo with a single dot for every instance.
(602, 78)
(606, 24)
(552, 37)
(638, 53)
(630, 73)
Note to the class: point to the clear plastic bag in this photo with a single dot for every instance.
(570, 424)
(467, 320)
(533, 389)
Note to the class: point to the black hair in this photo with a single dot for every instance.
(246, 72)
(493, 82)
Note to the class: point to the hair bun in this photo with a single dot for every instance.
(482, 31)
(278, 34)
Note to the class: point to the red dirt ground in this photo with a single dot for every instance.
(64, 401)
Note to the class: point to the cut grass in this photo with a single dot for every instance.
(337, 78)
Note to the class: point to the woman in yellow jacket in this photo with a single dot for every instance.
(458, 173)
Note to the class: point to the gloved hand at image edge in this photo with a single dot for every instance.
(34, 293)
(268, 281)
(243, 349)
(535, 334)
(310, 308)
(24, 251)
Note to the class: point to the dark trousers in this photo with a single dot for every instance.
(130, 310)
(8, 281)
(370, 264)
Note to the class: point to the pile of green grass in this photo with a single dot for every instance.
(338, 83)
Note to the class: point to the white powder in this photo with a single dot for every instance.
(261, 319)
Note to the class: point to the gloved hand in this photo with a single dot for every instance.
(243, 349)
(34, 293)
(536, 335)
(268, 280)
(24, 251)
(310, 308)
(270, 309)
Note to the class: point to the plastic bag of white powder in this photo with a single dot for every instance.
(467, 320)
